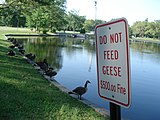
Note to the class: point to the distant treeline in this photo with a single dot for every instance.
(51, 16)
(146, 29)
(44, 16)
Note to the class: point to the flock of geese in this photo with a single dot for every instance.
(42, 65)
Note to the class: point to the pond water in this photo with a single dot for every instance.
(75, 61)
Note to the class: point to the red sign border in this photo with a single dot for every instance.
(128, 63)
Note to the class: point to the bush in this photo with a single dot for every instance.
(82, 31)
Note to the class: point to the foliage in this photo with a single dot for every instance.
(39, 19)
(12, 16)
(51, 15)
(146, 29)
(130, 32)
(44, 15)
(90, 25)
(75, 22)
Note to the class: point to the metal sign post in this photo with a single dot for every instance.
(115, 111)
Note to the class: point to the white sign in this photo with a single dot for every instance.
(113, 62)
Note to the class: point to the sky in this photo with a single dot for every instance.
(132, 10)
(2, 1)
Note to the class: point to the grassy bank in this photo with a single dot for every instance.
(25, 94)
(14, 30)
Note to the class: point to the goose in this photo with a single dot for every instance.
(42, 62)
(16, 44)
(11, 39)
(80, 90)
(11, 53)
(43, 65)
(12, 46)
(20, 46)
(50, 73)
(22, 51)
(31, 56)
(14, 41)
(28, 55)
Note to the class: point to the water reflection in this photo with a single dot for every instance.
(44, 48)
(146, 47)
(51, 48)
(152, 50)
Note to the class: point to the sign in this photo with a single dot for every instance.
(113, 62)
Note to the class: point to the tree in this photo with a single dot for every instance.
(12, 12)
(75, 22)
(57, 18)
(99, 22)
(157, 30)
(150, 30)
(90, 25)
(139, 29)
(147, 29)
(48, 16)
(130, 32)
(44, 15)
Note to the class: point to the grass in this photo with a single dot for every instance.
(25, 94)
(14, 30)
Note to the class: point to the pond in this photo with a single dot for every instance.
(75, 61)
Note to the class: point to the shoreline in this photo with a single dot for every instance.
(82, 36)
(53, 81)
(96, 108)
(144, 40)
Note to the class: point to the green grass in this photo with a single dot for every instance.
(25, 94)
(14, 30)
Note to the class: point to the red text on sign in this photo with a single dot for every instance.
(111, 55)
(116, 37)
(106, 85)
(112, 87)
(111, 38)
(103, 39)
(121, 89)
(111, 70)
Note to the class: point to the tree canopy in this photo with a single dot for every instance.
(44, 16)
(51, 15)
(146, 29)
